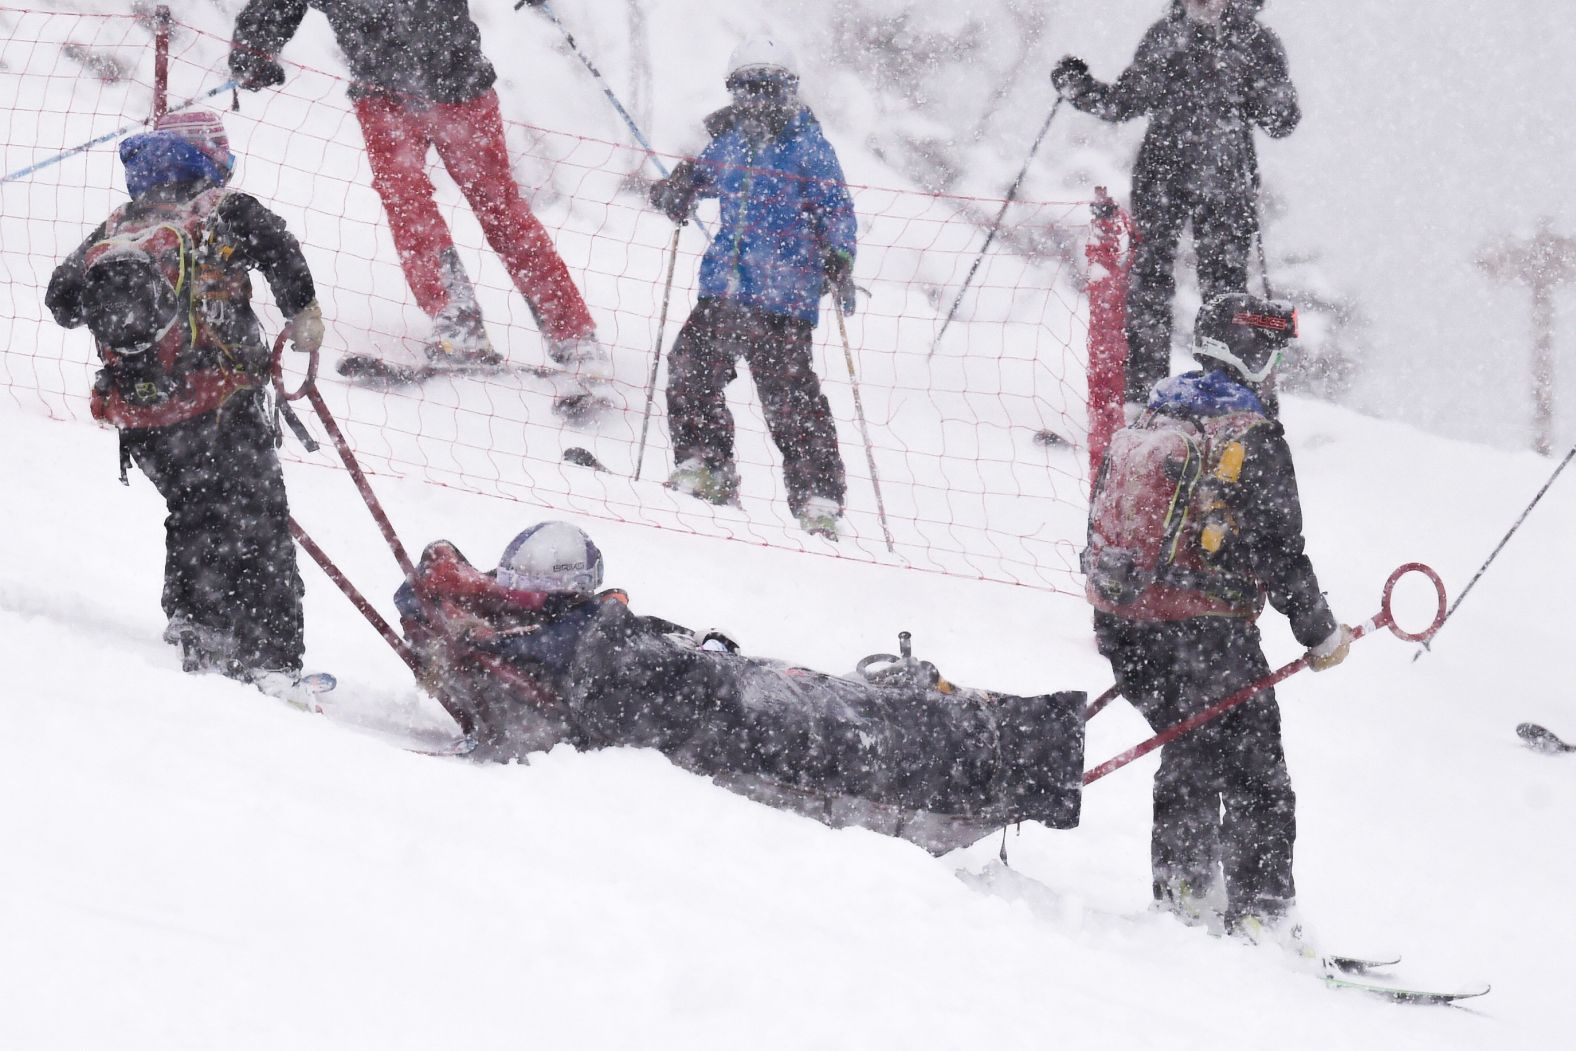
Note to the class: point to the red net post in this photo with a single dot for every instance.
(1110, 256)
(161, 61)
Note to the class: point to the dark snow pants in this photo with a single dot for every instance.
(777, 349)
(229, 561)
(1223, 230)
(1222, 796)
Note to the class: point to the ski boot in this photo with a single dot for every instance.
(587, 361)
(715, 485)
(821, 517)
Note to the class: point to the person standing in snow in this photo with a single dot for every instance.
(787, 235)
(1205, 75)
(1180, 630)
(164, 286)
(421, 82)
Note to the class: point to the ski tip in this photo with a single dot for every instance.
(581, 407)
(583, 458)
(1050, 439)
(318, 681)
(1360, 964)
(1541, 740)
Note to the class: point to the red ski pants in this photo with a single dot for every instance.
(469, 139)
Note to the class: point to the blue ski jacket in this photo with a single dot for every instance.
(785, 208)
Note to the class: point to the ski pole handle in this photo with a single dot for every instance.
(279, 374)
(1385, 618)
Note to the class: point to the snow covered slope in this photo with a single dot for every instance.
(190, 865)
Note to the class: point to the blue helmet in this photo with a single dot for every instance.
(187, 146)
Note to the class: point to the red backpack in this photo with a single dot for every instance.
(153, 284)
(1158, 518)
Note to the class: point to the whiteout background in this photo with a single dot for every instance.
(191, 865)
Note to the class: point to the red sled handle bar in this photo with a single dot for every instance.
(1385, 618)
(308, 390)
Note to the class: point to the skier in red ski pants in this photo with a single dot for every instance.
(421, 82)
(469, 139)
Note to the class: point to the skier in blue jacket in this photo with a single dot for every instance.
(787, 235)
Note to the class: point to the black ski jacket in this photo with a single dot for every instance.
(1204, 89)
(522, 672)
(426, 49)
(250, 236)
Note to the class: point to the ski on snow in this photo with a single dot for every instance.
(1541, 740)
(307, 692)
(1402, 994)
(1336, 970)
(1358, 964)
(579, 403)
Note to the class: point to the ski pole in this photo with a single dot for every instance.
(859, 412)
(1385, 618)
(1012, 192)
(634, 129)
(1264, 266)
(228, 85)
(656, 351)
(1499, 546)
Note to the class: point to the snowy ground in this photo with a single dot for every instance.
(193, 865)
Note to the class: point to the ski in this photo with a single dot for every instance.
(304, 692)
(369, 368)
(1401, 994)
(584, 458)
(579, 404)
(458, 747)
(1541, 740)
(1358, 964)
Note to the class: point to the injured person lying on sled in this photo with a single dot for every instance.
(533, 654)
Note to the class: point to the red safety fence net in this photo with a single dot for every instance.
(978, 441)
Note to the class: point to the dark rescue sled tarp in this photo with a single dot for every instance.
(939, 769)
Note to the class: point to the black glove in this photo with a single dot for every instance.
(1071, 76)
(254, 70)
(675, 195)
(838, 268)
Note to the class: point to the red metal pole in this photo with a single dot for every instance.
(161, 61)
(1108, 267)
(1383, 619)
(365, 487)
(1096, 706)
(356, 598)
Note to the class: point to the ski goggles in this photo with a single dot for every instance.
(762, 87)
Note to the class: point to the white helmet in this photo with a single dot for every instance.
(762, 56)
(551, 557)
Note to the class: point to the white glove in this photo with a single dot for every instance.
(305, 330)
(1332, 650)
